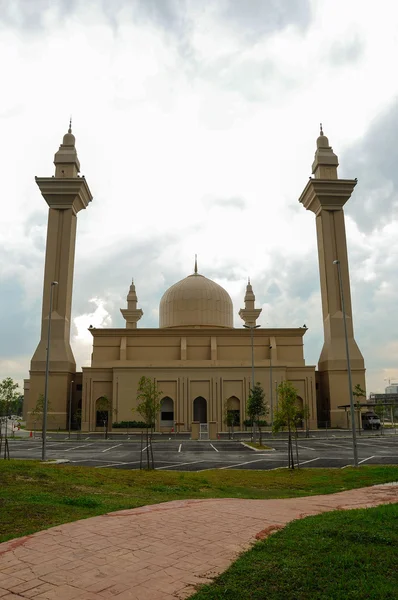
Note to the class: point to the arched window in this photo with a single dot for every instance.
(167, 412)
(200, 410)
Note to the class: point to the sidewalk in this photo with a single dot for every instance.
(157, 552)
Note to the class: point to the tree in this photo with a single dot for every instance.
(8, 400)
(228, 416)
(148, 397)
(37, 412)
(288, 415)
(359, 393)
(9, 397)
(257, 407)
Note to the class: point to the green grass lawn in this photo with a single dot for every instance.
(35, 496)
(342, 555)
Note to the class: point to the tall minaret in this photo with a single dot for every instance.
(66, 193)
(132, 314)
(250, 314)
(325, 195)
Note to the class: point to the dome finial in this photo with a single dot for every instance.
(70, 125)
(321, 130)
(248, 280)
(196, 263)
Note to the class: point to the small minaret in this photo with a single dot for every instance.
(325, 195)
(66, 193)
(132, 314)
(249, 314)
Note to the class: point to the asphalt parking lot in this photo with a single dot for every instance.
(186, 455)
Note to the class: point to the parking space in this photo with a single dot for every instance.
(186, 455)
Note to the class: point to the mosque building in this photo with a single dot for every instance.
(199, 360)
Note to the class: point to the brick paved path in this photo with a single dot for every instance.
(154, 552)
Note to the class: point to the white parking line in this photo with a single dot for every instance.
(240, 464)
(308, 461)
(76, 447)
(111, 448)
(365, 459)
(306, 447)
(39, 446)
(214, 448)
(180, 464)
(179, 448)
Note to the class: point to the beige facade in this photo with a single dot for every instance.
(198, 359)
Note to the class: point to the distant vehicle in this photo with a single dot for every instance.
(370, 420)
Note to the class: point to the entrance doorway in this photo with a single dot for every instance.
(200, 410)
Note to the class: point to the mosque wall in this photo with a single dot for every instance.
(183, 385)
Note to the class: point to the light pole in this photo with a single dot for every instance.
(45, 407)
(252, 327)
(270, 385)
(354, 435)
(70, 405)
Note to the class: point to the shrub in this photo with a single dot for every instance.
(130, 425)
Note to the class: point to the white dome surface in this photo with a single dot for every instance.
(196, 302)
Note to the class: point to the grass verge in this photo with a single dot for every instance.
(35, 496)
(258, 446)
(335, 556)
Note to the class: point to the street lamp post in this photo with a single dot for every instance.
(252, 327)
(352, 411)
(45, 407)
(70, 406)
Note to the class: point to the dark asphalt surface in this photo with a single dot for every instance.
(186, 455)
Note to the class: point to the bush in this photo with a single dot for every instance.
(130, 425)
(260, 423)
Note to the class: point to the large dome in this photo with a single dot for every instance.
(196, 302)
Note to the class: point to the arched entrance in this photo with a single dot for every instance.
(167, 412)
(233, 411)
(300, 406)
(102, 412)
(200, 409)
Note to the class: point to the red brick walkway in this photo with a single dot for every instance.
(154, 552)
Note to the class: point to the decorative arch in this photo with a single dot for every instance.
(167, 412)
(200, 409)
(233, 410)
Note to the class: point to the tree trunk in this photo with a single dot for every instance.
(260, 436)
(152, 459)
(291, 451)
(297, 452)
(147, 449)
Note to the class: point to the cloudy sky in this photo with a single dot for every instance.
(195, 124)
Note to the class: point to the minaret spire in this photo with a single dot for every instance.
(70, 125)
(132, 314)
(196, 264)
(250, 314)
(325, 162)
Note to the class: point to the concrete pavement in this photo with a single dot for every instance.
(157, 552)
